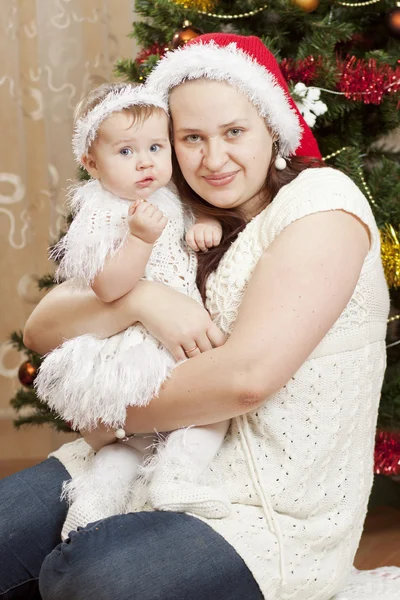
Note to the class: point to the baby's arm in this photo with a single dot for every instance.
(123, 269)
(204, 234)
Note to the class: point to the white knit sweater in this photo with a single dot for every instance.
(299, 470)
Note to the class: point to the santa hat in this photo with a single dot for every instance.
(116, 100)
(245, 63)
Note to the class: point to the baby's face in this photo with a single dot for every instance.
(133, 160)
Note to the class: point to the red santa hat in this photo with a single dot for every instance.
(245, 63)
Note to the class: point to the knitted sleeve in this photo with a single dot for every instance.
(97, 231)
(317, 190)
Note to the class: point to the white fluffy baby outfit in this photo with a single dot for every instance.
(86, 378)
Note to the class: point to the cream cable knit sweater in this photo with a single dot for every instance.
(298, 471)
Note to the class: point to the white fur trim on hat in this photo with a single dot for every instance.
(231, 64)
(87, 127)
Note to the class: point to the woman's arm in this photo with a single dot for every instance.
(172, 317)
(66, 312)
(298, 290)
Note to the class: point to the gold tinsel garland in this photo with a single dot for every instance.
(390, 251)
(199, 5)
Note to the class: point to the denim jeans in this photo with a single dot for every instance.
(141, 556)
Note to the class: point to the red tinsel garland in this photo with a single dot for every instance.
(301, 70)
(366, 80)
(387, 453)
(360, 80)
(156, 48)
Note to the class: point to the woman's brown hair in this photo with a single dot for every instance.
(231, 220)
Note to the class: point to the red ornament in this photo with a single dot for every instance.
(27, 373)
(357, 41)
(367, 81)
(387, 453)
(184, 35)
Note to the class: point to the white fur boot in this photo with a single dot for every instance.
(176, 483)
(105, 490)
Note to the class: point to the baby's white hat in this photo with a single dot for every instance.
(130, 95)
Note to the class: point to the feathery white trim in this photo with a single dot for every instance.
(86, 128)
(98, 230)
(87, 379)
(239, 69)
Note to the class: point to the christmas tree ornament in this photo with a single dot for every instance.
(27, 373)
(307, 5)
(200, 5)
(184, 35)
(387, 453)
(390, 252)
(393, 21)
(308, 102)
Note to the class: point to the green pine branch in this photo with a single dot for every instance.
(17, 341)
(42, 419)
(46, 282)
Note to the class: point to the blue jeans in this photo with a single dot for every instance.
(141, 556)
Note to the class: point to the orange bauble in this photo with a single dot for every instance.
(184, 35)
(393, 22)
(307, 5)
(27, 373)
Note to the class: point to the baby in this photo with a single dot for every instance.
(127, 226)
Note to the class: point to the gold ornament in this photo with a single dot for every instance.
(390, 252)
(27, 373)
(184, 35)
(307, 5)
(201, 5)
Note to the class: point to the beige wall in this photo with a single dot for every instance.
(51, 51)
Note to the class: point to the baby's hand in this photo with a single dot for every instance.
(205, 235)
(146, 221)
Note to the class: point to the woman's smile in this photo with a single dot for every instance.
(220, 179)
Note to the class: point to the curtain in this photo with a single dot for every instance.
(51, 53)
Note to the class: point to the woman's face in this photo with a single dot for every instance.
(222, 144)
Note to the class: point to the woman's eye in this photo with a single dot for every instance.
(155, 147)
(193, 137)
(234, 132)
(125, 151)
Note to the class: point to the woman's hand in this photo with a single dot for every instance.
(180, 323)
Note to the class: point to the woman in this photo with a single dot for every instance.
(301, 295)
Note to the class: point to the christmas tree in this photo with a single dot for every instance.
(341, 61)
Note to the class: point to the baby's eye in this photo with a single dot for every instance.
(155, 147)
(235, 132)
(125, 151)
(193, 137)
